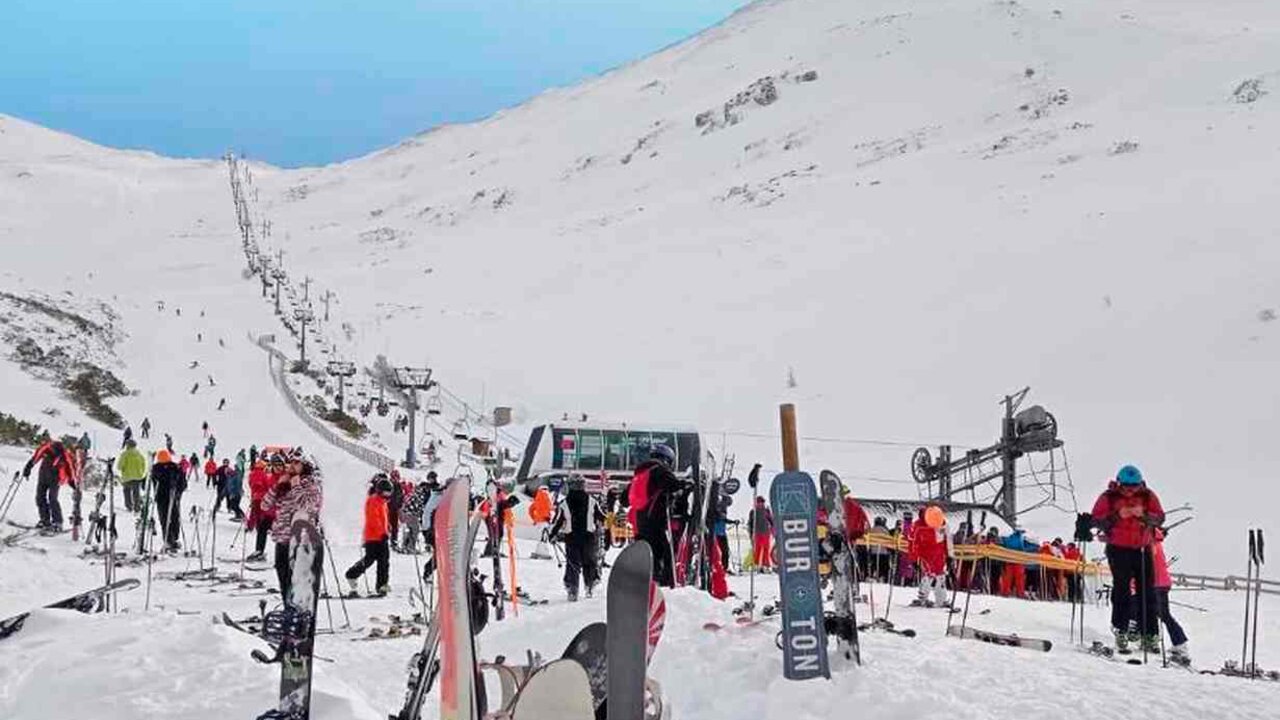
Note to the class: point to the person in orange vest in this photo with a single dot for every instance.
(376, 537)
(540, 511)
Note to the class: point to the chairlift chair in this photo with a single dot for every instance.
(433, 405)
(462, 430)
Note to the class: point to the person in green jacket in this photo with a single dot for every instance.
(132, 466)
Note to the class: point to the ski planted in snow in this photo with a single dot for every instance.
(845, 625)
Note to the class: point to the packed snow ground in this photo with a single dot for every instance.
(174, 662)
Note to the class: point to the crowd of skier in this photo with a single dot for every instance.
(919, 549)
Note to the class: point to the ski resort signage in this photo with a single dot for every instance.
(795, 526)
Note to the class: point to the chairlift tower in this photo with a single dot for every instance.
(304, 316)
(412, 380)
(342, 370)
(1031, 430)
(279, 275)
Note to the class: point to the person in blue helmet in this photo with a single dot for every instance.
(1127, 515)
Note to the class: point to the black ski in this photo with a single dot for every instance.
(89, 601)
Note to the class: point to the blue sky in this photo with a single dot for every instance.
(304, 82)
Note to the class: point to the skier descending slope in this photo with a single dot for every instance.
(1126, 513)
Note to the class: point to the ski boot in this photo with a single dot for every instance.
(1122, 641)
(353, 587)
(382, 591)
(572, 593)
(1178, 655)
(591, 591)
(1150, 643)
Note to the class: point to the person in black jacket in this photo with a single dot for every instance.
(169, 485)
(578, 520)
(652, 489)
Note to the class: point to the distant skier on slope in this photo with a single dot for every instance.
(376, 537)
(578, 520)
(652, 488)
(296, 494)
(1127, 513)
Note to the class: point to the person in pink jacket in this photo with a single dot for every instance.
(1163, 583)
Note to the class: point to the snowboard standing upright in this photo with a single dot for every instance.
(842, 569)
(795, 517)
(627, 641)
(459, 696)
(424, 666)
(293, 629)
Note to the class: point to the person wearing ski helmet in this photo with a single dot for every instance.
(652, 487)
(296, 495)
(376, 537)
(1126, 515)
(57, 468)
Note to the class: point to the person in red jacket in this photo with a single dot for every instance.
(929, 549)
(261, 479)
(376, 536)
(210, 472)
(1126, 514)
(58, 467)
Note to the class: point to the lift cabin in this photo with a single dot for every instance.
(598, 452)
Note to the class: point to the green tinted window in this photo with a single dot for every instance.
(590, 449)
(615, 450)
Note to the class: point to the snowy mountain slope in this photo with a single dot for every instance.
(969, 197)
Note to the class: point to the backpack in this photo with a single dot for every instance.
(855, 520)
(638, 494)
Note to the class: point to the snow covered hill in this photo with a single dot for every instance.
(911, 207)
(915, 206)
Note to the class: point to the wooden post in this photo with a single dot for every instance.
(790, 446)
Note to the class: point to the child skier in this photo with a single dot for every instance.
(1163, 584)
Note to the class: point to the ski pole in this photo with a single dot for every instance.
(1259, 559)
(342, 599)
(894, 560)
(1248, 576)
(1144, 587)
